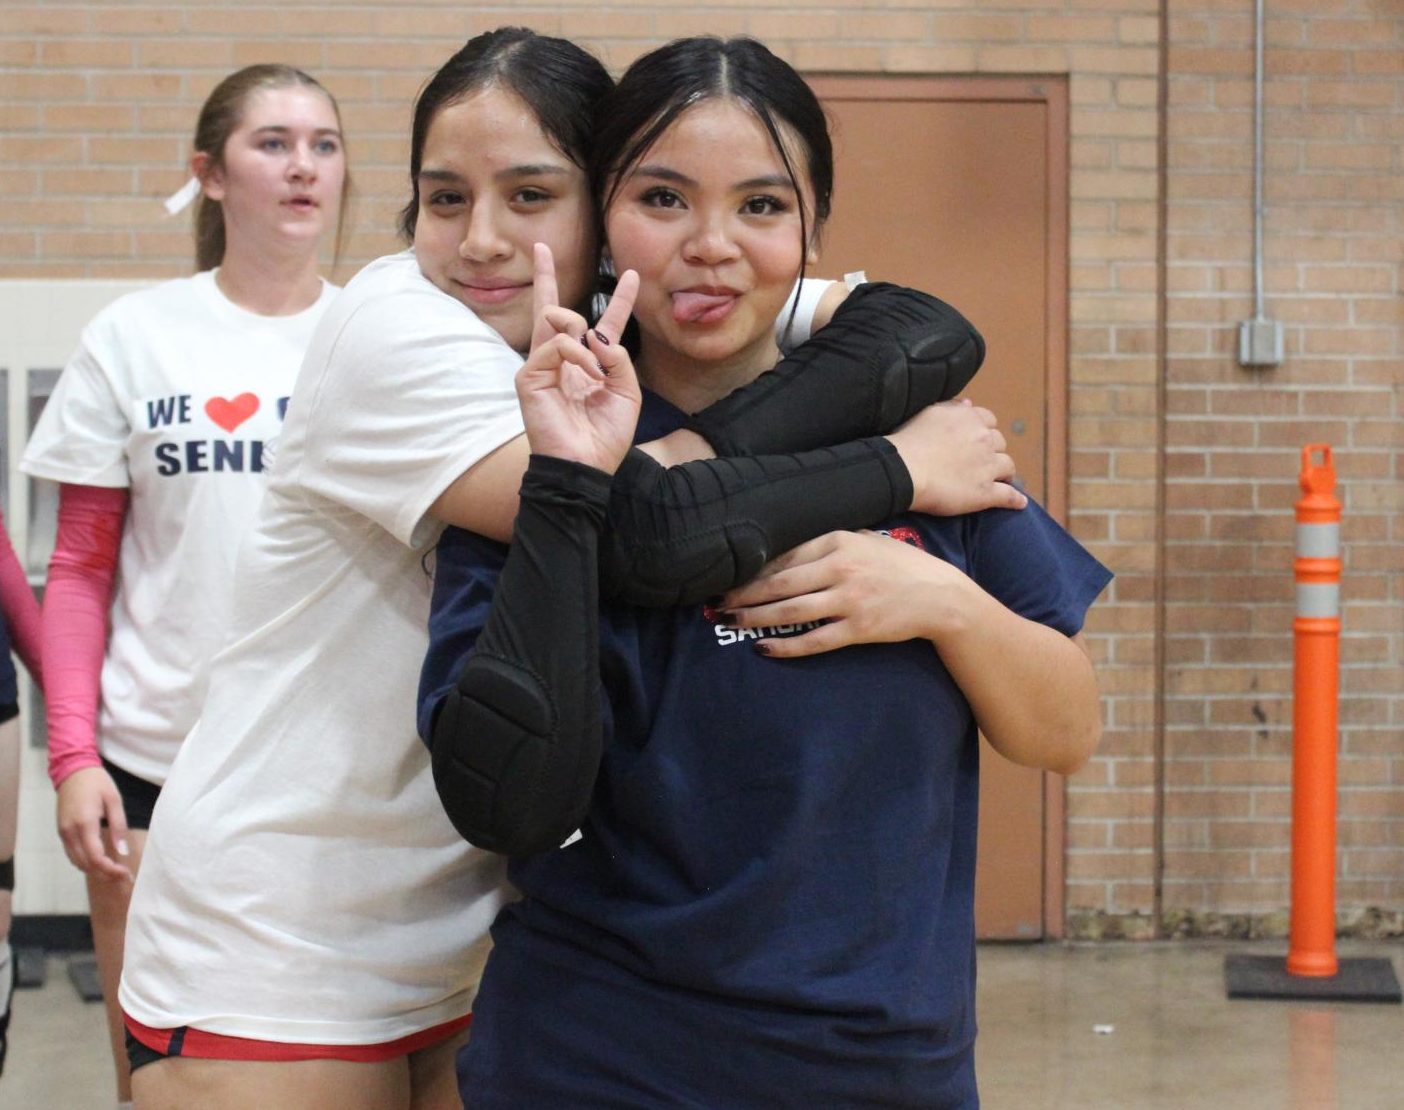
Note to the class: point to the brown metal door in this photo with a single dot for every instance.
(958, 187)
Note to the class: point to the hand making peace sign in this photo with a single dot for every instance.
(578, 390)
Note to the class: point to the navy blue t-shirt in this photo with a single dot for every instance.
(772, 902)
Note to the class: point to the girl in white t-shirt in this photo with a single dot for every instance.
(160, 431)
(303, 929)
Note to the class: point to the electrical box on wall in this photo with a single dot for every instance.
(1260, 343)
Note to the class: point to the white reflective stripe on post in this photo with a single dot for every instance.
(1318, 541)
(1318, 600)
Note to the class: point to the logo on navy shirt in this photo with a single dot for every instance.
(235, 454)
(906, 533)
(727, 635)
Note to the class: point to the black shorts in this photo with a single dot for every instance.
(138, 795)
(138, 1055)
(9, 711)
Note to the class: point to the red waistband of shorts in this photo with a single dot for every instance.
(197, 1043)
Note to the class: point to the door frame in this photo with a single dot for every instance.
(1052, 92)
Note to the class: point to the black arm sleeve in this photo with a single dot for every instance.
(681, 534)
(684, 534)
(516, 743)
(888, 352)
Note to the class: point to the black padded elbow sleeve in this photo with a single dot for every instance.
(682, 534)
(516, 744)
(887, 353)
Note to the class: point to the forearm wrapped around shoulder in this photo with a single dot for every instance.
(888, 352)
(679, 535)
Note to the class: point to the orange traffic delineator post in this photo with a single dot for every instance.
(1311, 969)
(1311, 948)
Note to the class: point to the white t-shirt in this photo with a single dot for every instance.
(174, 392)
(301, 882)
(803, 302)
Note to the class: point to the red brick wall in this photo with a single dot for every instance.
(99, 99)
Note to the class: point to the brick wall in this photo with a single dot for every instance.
(94, 125)
(1334, 243)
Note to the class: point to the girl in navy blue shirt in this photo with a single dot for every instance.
(770, 899)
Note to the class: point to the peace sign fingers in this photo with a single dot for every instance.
(545, 294)
(552, 319)
(621, 305)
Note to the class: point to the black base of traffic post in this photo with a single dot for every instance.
(1359, 979)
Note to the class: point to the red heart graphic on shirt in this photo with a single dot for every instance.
(230, 414)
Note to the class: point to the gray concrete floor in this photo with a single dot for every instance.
(1109, 1027)
(1176, 1041)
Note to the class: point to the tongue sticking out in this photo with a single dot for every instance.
(698, 308)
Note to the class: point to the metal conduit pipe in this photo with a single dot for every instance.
(1259, 339)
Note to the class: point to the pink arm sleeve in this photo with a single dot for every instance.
(20, 608)
(74, 637)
